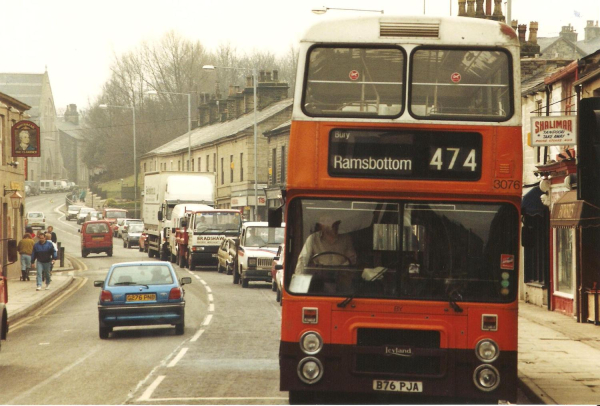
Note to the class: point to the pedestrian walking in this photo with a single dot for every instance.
(25, 248)
(49, 238)
(53, 234)
(45, 254)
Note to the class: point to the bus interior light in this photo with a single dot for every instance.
(489, 322)
(486, 378)
(487, 350)
(311, 343)
(310, 315)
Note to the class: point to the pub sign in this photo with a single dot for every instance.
(25, 139)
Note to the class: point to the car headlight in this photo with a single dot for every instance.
(311, 343)
(251, 261)
(486, 378)
(310, 370)
(487, 350)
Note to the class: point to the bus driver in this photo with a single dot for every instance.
(326, 246)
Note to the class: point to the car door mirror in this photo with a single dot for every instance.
(186, 281)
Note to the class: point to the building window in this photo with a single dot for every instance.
(171, 165)
(222, 173)
(2, 149)
(187, 165)
(215, 163)
(192, 165)
(283, 165)
(144, 166)
(241, 167)
(207, 167)
(231, 168)
(179, 166)
(199, 166)
(564, 260)
(274, 166)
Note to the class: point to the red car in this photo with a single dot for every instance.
(96, 237)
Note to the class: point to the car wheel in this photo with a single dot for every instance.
(244, 282)
(128, 244)
(179, 328)
(274, 286)
(84, 253)
(236, 277)
(104, 332)
(109, 252)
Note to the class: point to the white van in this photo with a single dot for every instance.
(61, 186)
(47, 186)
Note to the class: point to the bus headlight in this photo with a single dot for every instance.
(487, 350)
(310, 370)
(252, 262)
(486, 378)
(311, 343)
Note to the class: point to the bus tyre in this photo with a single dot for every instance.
(149, 253)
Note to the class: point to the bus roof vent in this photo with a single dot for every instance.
(403, 29)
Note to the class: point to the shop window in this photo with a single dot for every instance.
(565, 244)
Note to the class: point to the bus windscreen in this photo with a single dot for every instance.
(455, 251)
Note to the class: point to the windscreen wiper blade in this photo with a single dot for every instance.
(346, 301)
(452, 297)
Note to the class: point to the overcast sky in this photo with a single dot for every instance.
(76, 40)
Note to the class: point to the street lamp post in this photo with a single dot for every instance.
(154, 92)
(135, 176)
(254, 84)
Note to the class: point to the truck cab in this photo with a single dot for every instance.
(178, 236)
(206, 231)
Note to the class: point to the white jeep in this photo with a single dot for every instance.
(258, 245)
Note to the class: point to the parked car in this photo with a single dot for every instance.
(277, 272)
(83, 213)
(258, 245)
(123, 223)
(96, 237)
(73, 211)
(141, 294)
(226, 256)
(143, 247)
(95, 215)
(131, 234)
(36, 220)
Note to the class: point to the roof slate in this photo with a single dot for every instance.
(25, 87)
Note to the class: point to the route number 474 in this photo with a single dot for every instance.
(452, 159)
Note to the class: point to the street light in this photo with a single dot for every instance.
(135, 181)
(254, 82)
(155, 92)
(323, 10)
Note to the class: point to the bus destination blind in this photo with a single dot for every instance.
(405, 154)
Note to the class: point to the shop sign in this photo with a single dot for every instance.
(555, 130)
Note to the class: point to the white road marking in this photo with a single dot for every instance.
(44, 343)
(210, 297)
(197, 277)
(203, 282)
(197, 335)
(177, 358)
(211, 307)
(148, 392)
(208, 289)
(207, 320)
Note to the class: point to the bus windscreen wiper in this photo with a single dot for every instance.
(453, 296)
(379, 273)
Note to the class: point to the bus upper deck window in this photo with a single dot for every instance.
(354, 82)
(461, 84)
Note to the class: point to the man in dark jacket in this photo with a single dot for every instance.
(45, 254)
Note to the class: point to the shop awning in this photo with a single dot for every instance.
(532, 205)
(570, 212)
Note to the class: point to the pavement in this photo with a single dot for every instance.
(559, 359)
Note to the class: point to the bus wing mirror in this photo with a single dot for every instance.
(275, 217)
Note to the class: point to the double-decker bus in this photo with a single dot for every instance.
(402, 211)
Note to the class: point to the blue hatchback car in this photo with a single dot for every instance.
(140, 294)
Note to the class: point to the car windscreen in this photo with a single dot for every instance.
(74, 208)
(136, 228)
(97, 228)
(225, 222)
(262, 236)
(36, 215)
(140, 275)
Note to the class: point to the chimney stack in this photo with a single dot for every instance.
(522, 29)
(533, 29)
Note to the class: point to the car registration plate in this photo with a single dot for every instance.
(100, 238)
(397, 386)
(142, 297)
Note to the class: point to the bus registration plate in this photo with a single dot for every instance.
(397, 386)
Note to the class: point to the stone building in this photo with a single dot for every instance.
(224, 143)
(12, 178)
(35, 90)
(277, 144)
(72, 145)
